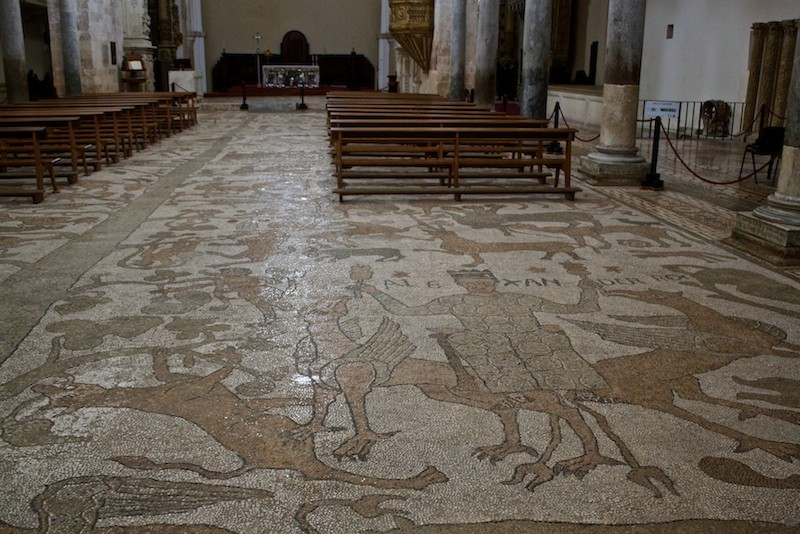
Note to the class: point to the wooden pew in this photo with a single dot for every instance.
(56, 132)
(437, 160)
(21, 167)
(69, 153)
(104, 126)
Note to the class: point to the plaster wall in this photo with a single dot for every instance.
(331, 26)
(708, 56)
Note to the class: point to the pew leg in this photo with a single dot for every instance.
(53, 179)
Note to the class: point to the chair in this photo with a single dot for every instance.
(768, 143)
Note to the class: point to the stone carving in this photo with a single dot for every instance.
(716, 118)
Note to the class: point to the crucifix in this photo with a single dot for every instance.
(257, 38)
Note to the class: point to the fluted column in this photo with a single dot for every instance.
(774, 228)
(458, 50)
(785, 68)
(772, 49)
(70, 46)
(615, 159)
(758, 33)
(14, 64)
(536, 57)
(486, 57)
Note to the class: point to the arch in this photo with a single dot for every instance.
(294, 49)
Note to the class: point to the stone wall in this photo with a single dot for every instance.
(99, 24)
(330, 26)
(437, 79)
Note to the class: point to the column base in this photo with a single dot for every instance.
(610, 166)
(770, 240)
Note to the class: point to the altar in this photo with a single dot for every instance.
(290, 75)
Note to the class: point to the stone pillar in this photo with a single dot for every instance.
(70, 46)
(194, 47)
(136, 23)
(14, 63)
(536, 42)
(166, 46)
(458, 50)
(774, 228)
(772, 49)
(615, 160)
(758, 33)
(486, 57)
(785, 68)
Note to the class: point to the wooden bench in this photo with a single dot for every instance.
(69, 152)
(451, 160)
(427, 121)
(22, 166)
(40, 137)
(102, 126)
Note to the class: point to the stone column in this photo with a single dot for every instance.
(70, 46)
(758, 32)
(194, 47)
(772, 49)
(785, 68)
(536, 43)
(486, 57)
(458, 50)
(774, 228)
(615, 160)
(14, 63)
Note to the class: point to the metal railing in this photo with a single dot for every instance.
(692, 123)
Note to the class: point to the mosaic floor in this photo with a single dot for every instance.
(203, 339)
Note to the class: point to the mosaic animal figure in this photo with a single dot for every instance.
(707, 340)
(244, 427)
(517, 378)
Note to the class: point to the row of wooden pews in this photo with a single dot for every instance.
(391, 143)
(64, 137)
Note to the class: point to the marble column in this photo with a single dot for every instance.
(785, 69)
(458, 50)
(615, 160)
(536, 57)
(772, 230)
(758, 36)
(14, 63)
(486, 57)
(70, 46)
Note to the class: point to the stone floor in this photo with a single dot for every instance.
(201, 338)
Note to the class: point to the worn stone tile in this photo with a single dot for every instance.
(203, 337)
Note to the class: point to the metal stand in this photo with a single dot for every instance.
(554, 147)
(244, 106)
(302, 104)
(652, 179)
